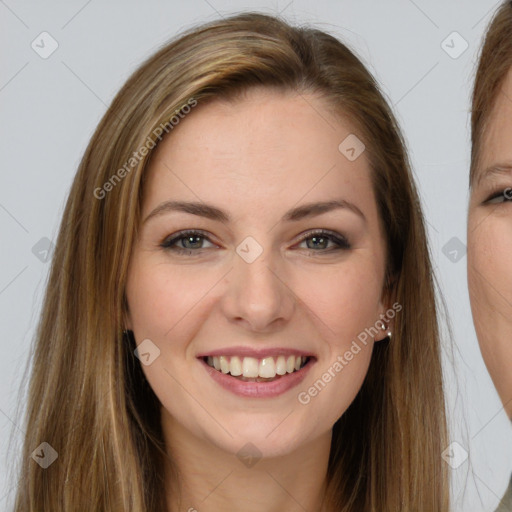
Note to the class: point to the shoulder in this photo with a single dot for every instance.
(506, 502)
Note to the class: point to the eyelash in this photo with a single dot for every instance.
(505, 193)
(170, 243)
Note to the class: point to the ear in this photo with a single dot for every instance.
(389, 308)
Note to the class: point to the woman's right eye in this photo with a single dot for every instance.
(500, 196)
(193, 238)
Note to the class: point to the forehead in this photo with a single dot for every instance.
(496, 149)
(266, 144)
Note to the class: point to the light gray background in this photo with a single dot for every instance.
(51, 106)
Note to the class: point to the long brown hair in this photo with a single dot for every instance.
(88, 397)
(495, 61)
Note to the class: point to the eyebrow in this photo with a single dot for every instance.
(500, 169)
(211, 212)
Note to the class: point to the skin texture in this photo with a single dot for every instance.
(255, 158)
(490, 247)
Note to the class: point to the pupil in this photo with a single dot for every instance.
(314, 239)
(190, 239)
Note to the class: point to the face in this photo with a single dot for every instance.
(265, 272)
(490, 246)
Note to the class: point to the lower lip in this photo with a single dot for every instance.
(259, 389)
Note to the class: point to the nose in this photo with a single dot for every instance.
(258, 295)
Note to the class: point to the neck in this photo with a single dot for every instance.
(209, 479)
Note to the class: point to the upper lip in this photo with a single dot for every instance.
(258, 353)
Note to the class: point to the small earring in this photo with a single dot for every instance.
(389, 334)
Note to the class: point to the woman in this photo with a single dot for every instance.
(490, 208)
(241, 232)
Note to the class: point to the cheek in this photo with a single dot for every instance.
(168, 305)
(344, 306)
(489, 270)
(490, 287)
(346, 300)
(161, 297)
(338, 376)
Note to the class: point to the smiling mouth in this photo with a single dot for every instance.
(250, 369)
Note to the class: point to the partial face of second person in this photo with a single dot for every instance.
(490, 246)
(256, 159)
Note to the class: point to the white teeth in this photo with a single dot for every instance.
(281, 365)
(235, 366)
(250, 367)
(224, 364)
(267, 368)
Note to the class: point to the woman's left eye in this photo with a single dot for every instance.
(500, 197)
(321, 238)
